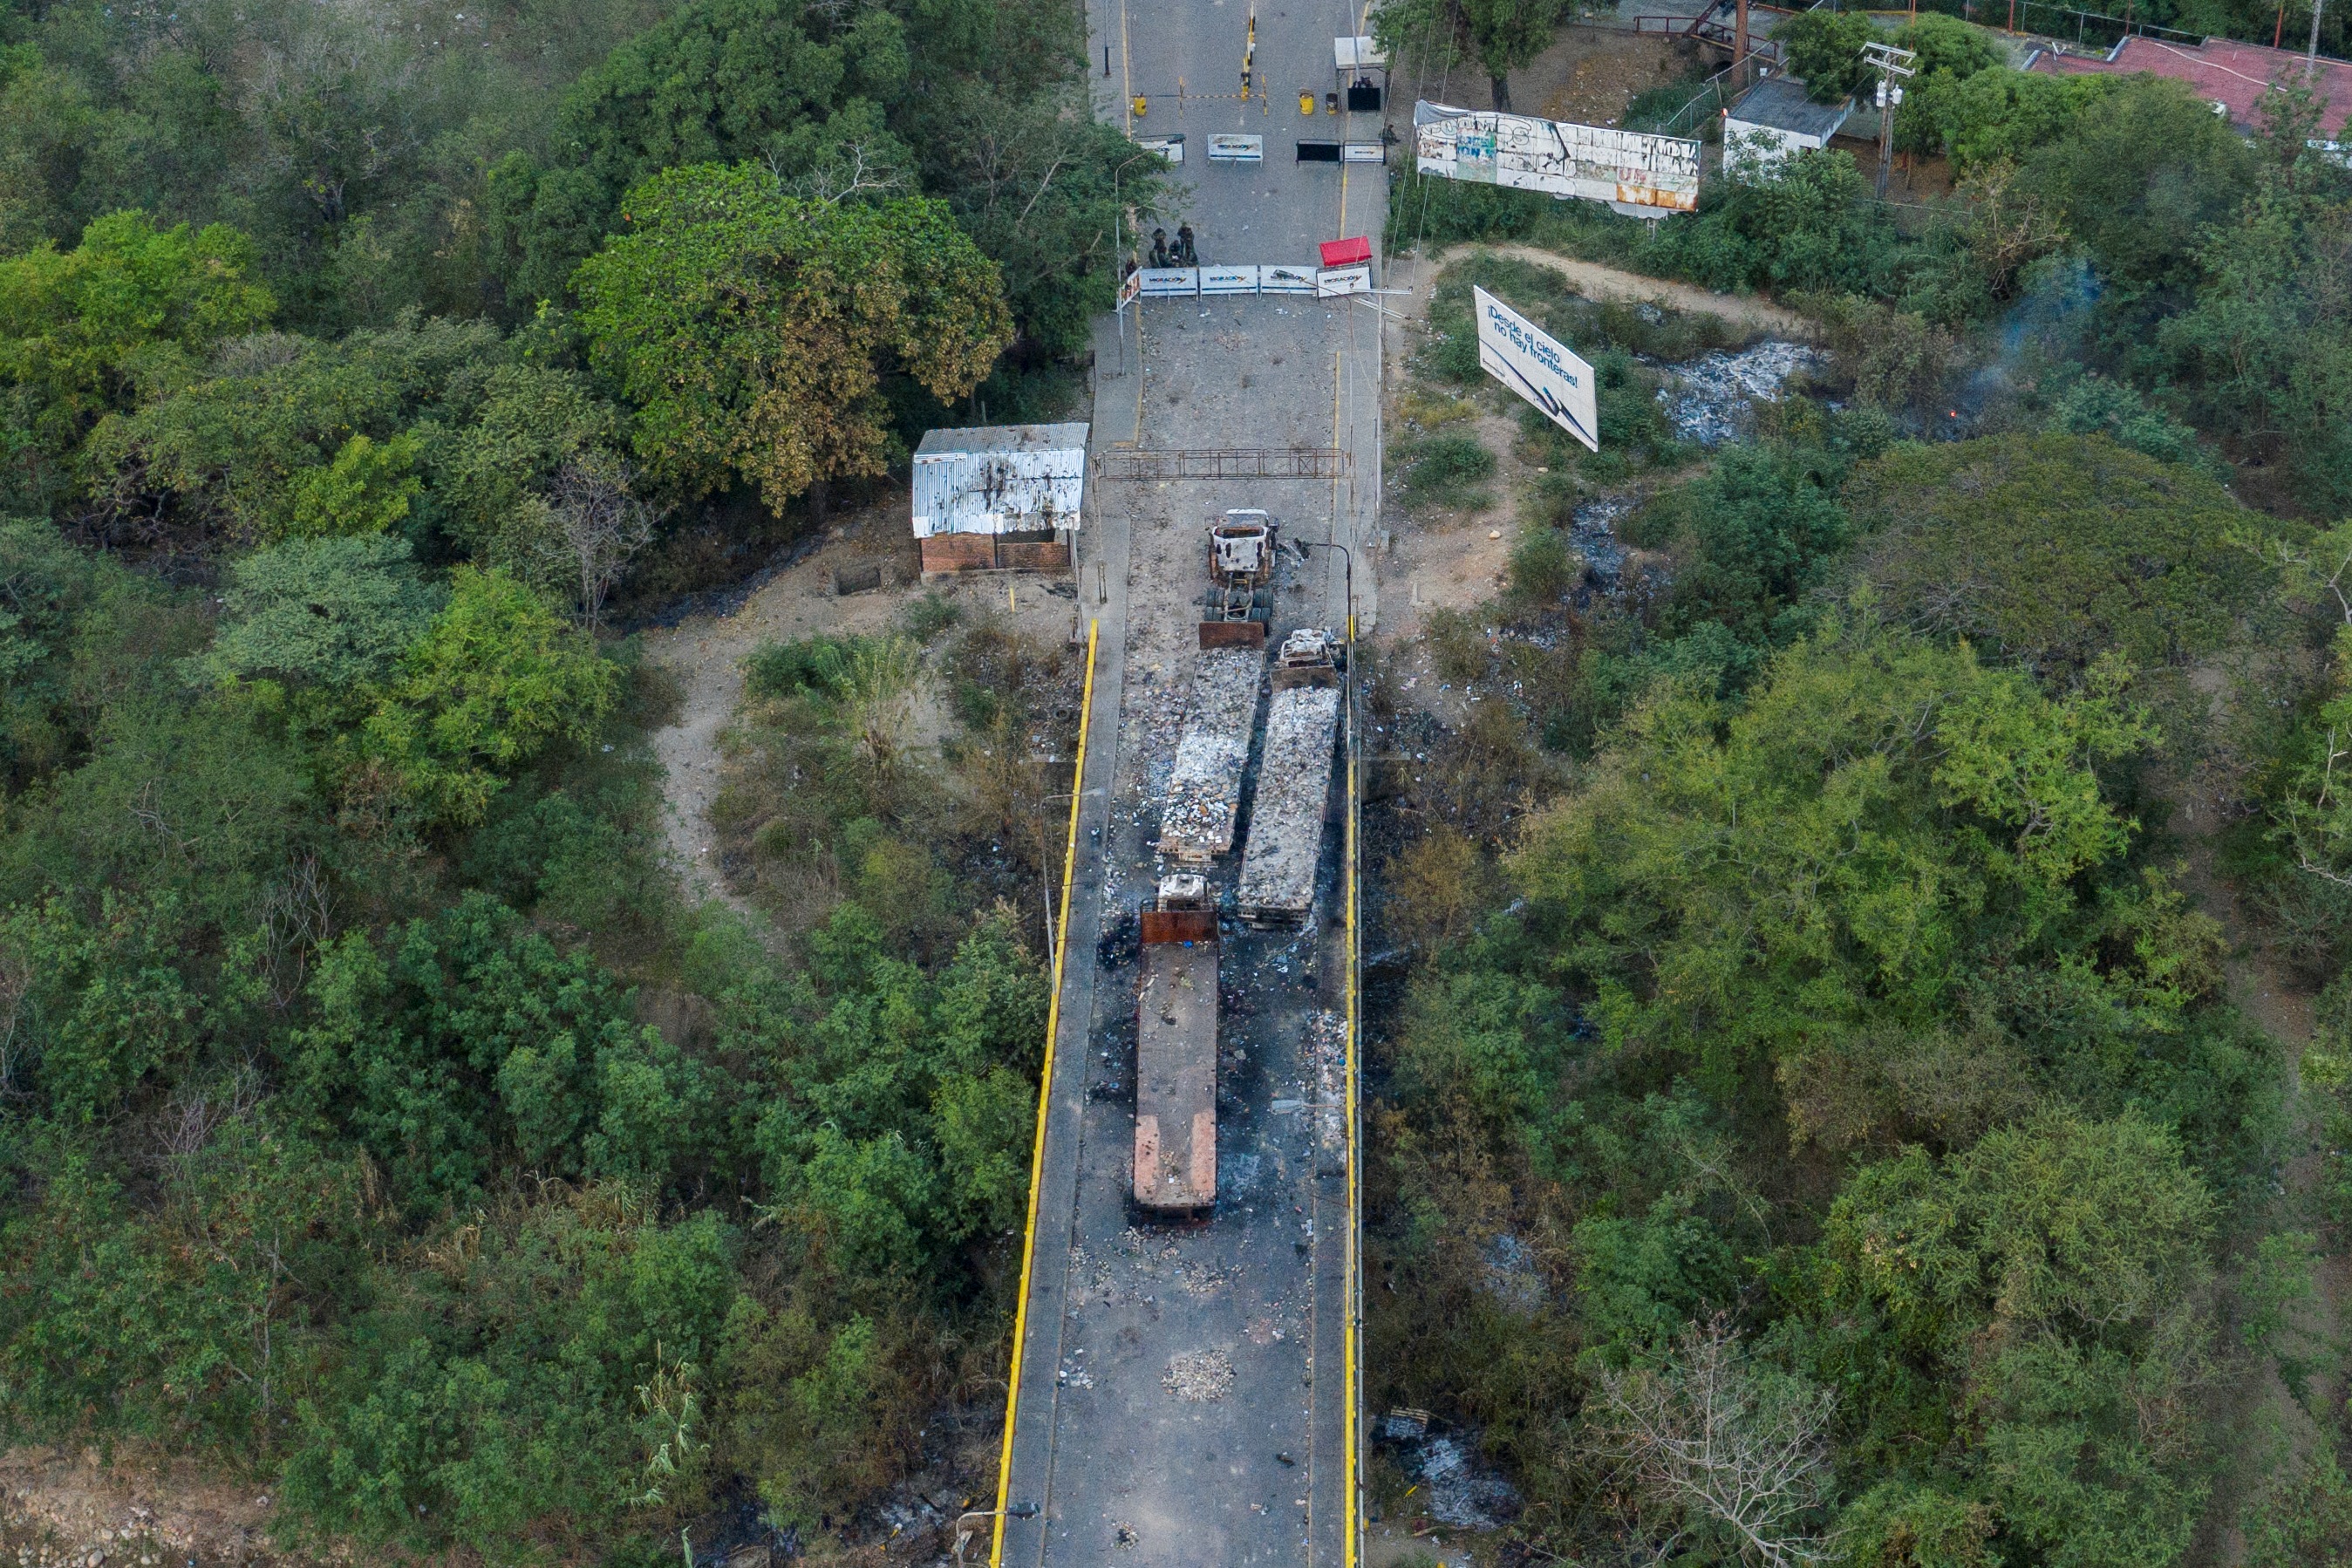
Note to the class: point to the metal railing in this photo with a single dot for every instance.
(1224, 463)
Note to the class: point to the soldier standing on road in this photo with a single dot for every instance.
(1159, 247)
(1186, 255)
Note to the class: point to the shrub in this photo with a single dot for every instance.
(1443, 470)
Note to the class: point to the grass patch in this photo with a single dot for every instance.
(1443, 470)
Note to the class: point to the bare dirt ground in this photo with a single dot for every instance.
(58, 1508)
(1750, 312)
(1455, 560)
(705, 654)
(1589, 76)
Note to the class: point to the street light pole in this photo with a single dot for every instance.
(1348, 560)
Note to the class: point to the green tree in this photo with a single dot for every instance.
(716, 82)
(291, 436)
(472, 1046)
(2267, 347)
(1823, 49)
(2053, 550)
(337, 614)
(751, 329)
(2139, 176)
(2000, 115)
(80, 330)
(1772, 885)
(2055, 1267)
(366, 488)
(1500, 35)
(501, 1403)
(1766, 523)
(1950, 51)
(495, 680)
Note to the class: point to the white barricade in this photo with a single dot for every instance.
(1228, 279)
(1364, 153)
(1169, 282)
(1228, 149)
(1285, 279)
(1169, 147)
(1333, 281)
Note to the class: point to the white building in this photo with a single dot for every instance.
(1774, 119)
(1004, 495)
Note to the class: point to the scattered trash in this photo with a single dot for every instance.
(1511, 1276)
(1711, 398)
(1456, 1487)
(1405, 1423)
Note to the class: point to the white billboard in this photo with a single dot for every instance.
(1632, 171)
(1531, 363)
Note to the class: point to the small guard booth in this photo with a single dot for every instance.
(1002, 496)
(1774, 120)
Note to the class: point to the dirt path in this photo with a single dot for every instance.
(1594, 282)
(705, 654)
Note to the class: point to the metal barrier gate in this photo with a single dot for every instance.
(1224, 463)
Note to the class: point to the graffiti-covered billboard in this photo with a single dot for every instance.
(1632, 171)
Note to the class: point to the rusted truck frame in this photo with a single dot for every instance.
(1176, 1052)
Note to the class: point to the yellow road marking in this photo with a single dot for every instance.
(1044, 1103)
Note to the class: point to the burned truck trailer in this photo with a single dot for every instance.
(1294, 784)
(1176, 1052)
(1204, 788)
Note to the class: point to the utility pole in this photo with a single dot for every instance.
(1739, 44)
(1893, 66)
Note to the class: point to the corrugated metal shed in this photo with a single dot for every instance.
(1781, 103)
(1000, 478)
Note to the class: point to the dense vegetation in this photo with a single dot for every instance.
(376, 1119)
(1817, 1117)
(2110, 226)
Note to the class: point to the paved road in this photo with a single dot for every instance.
(1124, 1470)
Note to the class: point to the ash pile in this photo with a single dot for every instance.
(1714, 396)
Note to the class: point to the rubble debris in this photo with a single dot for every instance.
(1199, 1376)
(1204, 787)
(1713, 398)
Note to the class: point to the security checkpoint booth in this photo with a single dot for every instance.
(1000, 496)
(1362, 68)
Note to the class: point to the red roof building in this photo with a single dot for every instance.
(2218, 71)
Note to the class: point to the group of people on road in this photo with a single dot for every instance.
(1181, 254)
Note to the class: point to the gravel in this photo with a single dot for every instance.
(1199, 1376)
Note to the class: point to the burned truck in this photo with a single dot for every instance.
(1294, 784)
(1204, 789)
(1176, 1052)
(1240, 602)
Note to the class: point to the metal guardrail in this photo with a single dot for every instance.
(1224, 463)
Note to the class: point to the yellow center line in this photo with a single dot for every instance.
(1044, 1103)
(1126, 73)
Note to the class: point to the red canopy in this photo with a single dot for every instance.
(1346, 252)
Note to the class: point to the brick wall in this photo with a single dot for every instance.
(944, 552)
